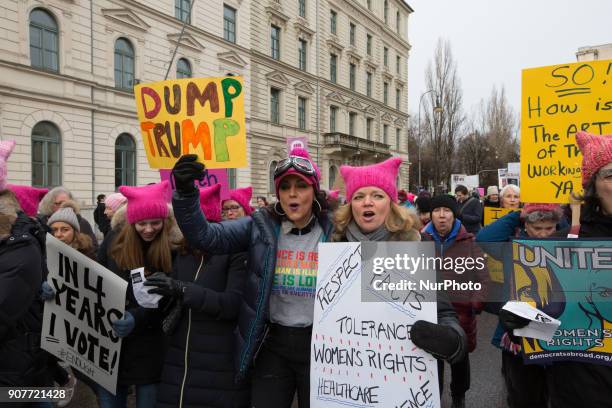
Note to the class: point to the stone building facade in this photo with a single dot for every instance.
(67, 68)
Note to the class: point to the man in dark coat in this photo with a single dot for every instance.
(453, 241)
(469, 211)
(100, 218)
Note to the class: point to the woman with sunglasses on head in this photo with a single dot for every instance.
(238, 204)
(277, 311)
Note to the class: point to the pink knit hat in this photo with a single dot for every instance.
(6, 148)
(333, 194)
(382, 175)
(114, 201)
(28, 197)
(312, 180)
(542, 207)
(146, 202)
(243, 197)
(210, 202)
(596, 153)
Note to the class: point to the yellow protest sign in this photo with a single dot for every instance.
(492, 214)
(204, 116)
(557, 102)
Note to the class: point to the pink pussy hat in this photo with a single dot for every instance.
(313, 180)
(210, 202)
(596, 153)
(542, 207)
(28, 197)
(6, 148)
(243, 197)
(333, 194)
(114, 201)
(146, 202)
(382, 175)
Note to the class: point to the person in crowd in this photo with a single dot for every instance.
(65, 226)
(262, 202)
(53, 201)
(454, 241)
(144, 240)
(238, 204)
(469, 210)
(492, 197)
(112, 204)
(423, 205)
(28, 197)
(525, 384)
(199, 368)
(100, 218)
(333, 200)
(373, 214)
(275, 323)
(22, 249)
(510, 197)
(580, 384)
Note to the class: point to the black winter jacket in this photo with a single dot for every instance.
(142, 350)
(577, 384)
(257, 234)
(22, 362)
(199, 368)
(470, 214)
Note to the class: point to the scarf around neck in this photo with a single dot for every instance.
(354, 234)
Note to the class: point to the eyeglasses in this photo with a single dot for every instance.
(605, 175)
(231, 208)
(302, 165)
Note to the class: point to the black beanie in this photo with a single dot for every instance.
(423, 204)
(445, 200)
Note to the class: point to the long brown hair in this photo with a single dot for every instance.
(128, 252)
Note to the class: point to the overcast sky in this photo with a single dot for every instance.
(492, 40)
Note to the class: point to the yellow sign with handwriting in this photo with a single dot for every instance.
(203, 116)
(557, 102)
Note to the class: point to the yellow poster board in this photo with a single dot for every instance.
(492, 214)
(204, 116)
(558, 101)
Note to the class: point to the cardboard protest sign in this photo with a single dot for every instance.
(492, 214)
(361, 353)
(569, 281)
(77, 323)
(297, 141)
(204, 116)
(211, 177)
(557, 102)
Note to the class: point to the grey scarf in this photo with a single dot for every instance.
(354, 234)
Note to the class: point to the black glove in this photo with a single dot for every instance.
(185, 171)
(439, 340)
(510, 321)
(166, 286)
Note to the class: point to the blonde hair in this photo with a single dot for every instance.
(399, 221)
(127, 249)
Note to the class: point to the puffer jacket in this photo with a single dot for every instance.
(199, 368)
(257, 235)
(467, 304)
(22, 362)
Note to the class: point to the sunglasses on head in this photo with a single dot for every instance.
(302, 165)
